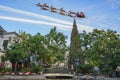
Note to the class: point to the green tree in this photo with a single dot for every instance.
(101, 48)
(15, 53)
(74, 46)
(38, 47)
(45, 49)
(57, 44)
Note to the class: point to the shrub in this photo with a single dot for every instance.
(85, 68)
(25, 70)
(8, 69)
(5, 69)
(2, 69)
(35, 69)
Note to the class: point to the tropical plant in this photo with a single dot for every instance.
(56, 44)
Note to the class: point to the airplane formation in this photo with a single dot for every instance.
(61, 11)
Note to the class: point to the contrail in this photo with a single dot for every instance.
(9, 9)
(35, 22)
(63, 27)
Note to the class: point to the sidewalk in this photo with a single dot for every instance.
(99, 77)
(41, 77)
(17, 77)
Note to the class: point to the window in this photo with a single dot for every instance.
(5, 44)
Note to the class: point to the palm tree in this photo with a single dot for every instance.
(57, 43)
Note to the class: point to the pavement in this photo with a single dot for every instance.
(98, 77)
(18, 77)
(41, 77)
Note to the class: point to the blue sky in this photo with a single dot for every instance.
(23, 15)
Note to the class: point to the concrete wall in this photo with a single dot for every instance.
(7, 36)
(10, 36)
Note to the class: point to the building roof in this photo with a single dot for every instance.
(10, 33)
(2, 30)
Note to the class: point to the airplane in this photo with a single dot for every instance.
(38, 4)
(80, 15)
(62, 11)
(71, 14)
(45, 7)
(53, 9)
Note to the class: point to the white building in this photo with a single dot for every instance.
(6, 40)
